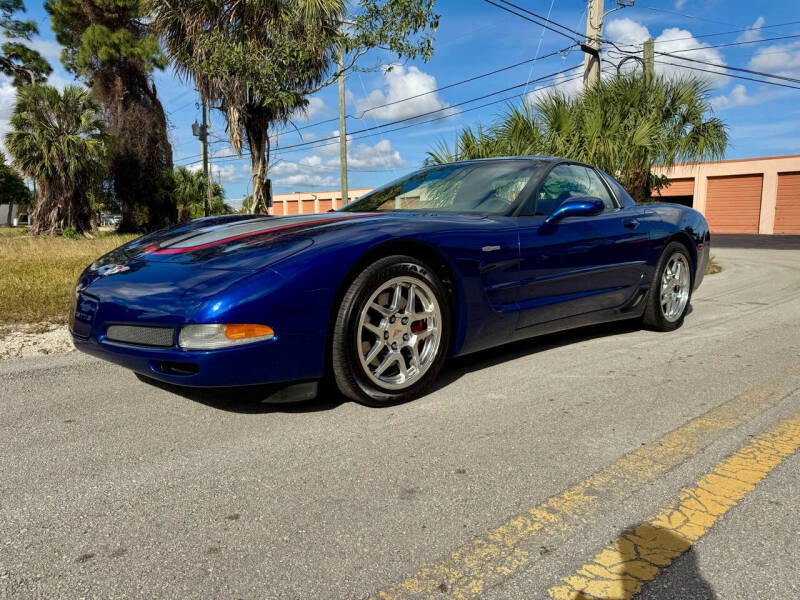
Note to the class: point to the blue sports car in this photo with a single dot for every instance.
(374, 297)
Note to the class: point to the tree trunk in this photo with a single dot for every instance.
(57, 210)
(10, 218)
(258, 142)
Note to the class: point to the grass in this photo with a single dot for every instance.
(712, 266)
(38, 274)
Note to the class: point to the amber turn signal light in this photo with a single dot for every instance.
(241, 331)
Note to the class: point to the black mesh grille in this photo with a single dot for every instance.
(141, 336)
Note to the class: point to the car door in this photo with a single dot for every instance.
(584, 264)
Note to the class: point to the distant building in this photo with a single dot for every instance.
(750, 195)
(312, 202)
(4, 219)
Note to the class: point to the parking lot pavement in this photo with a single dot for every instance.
(511, 480)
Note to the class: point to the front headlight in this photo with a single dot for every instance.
(218, 335)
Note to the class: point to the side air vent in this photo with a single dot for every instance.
(162, 337)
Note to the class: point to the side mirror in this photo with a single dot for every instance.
(574, 207)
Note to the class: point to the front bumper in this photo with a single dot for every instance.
(283, 359)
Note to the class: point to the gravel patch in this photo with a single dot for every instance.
(18, 341)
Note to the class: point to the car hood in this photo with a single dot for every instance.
(236, 242)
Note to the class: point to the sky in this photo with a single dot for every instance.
(475, 37)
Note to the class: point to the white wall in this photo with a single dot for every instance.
(4, 213)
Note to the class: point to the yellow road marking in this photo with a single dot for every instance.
(620, 570)
(485, 561)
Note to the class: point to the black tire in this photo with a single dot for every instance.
(348, 373)
(654, 317)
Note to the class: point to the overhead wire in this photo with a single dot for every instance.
(421, 94)
(739, 69)
(316, 144)
(508, 10)
(731, 75)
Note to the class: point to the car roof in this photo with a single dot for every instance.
(529, 157)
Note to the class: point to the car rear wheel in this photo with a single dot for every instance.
(391, 334)
(671, 291)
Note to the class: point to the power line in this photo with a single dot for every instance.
(508, 10)
(794, 87)
(742, 43)
(675, 12)
(739, 69)
(439, 89)
(543, 18)
(695, 37)
(463, 81)
(445, 108)
(295, 148)
(539, 45)
(620, 52)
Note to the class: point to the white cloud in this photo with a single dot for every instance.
(235, 203)
(679, 4)
(738, 96)
(673, 41)
(753, 32)
(322, 168)
(782, 59)
(379, 156)
(307, 180)
(316, 107)
(569, 86)
(49, 49)
(402, 82)
(223, 152)
(313, 163)
(223, 173)
(626, 31)
(8, 96)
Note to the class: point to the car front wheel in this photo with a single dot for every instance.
(391, 334)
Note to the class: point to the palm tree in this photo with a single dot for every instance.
(190, 193)
(624, 125)
(60, 141)
(256, 61)
(259, 60)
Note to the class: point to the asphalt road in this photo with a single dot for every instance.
(508, 481)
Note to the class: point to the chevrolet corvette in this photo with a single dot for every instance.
(374, 297)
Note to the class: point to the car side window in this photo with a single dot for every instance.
(562, 183)
(598, 189)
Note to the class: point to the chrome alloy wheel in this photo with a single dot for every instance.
(675, 283)
(398, 333)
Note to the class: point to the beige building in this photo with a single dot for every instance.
(752, 195)
(311, 202)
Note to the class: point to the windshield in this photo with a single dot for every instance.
(481, 187)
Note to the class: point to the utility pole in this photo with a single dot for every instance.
(342, 131)
(206, 170)
(594, 29)
(201, 132)
(648, 56)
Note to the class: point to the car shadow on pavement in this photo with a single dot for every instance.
(458, 367)
(247, 400)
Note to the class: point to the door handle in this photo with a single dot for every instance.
(630, 223)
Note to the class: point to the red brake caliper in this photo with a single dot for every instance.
(418, 326)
